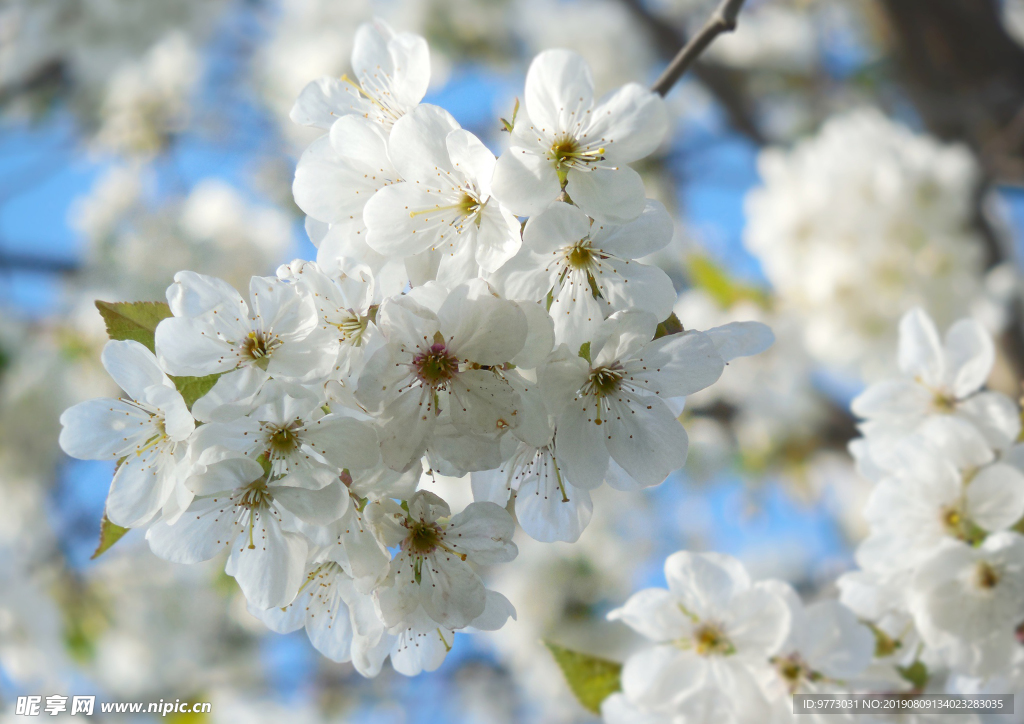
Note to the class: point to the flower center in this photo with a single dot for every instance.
(256, 496)
(423, 538)
(258, 346)
(605, 381)
(283, 441)
(580, 255)
(710, 640)
(793, 670)
(435, 366)
(944, 404)
(351, 328)
(986, 576)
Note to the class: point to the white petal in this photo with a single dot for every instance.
(480, 326)
(270, 572)
(103, 429)
(677, 364)
(317, 507)
(133, 367)
(559, 91)
(232, 395)
(321, 102)
(343, 441)
(418, 146)
(655, 614)
(632, 285)
(407, 219)
(482, 403)
(970, 355)
(662, 675)
(622, 335)
(705, 582)
(204, 530)
(545, 515)
(451, 593)
(471, 159)
(759, 622)
(632, 123)
(995, 415)
(497, 236)
(995, 497)
(575, 313)
(189, 347)
(645, 438)
(491, 486)
(920, 352)
(141, 486)
(892, 399)
(497, 610)
(409, 420)
(194, 295)
(650, 232)
(524, 181)
(224, 476)
(741, 339)
(330, 187)
(616, 195)
(540, 336)
(841, 647)
(579, 445)
(327, 619)
(483, 531)
(558, 226)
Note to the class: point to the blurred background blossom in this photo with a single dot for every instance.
(833, 164)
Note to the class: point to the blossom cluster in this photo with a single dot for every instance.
(435, 333)
(903, 236)
(937, 604)
(942, 568)
(726, 649)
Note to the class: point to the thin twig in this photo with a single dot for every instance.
(723, 20)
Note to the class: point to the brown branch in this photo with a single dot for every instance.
(720, 81)
(723, 20)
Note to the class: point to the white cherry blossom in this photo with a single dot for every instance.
(444, 202)
(939, 379)
(341, 621)
(548, 506)
(564, 140)
(713, 633)
(290, 429)
(589, 268)
(236, 507)
(392, 74)
(969, 601)
(148, 431)
(213, 331)
(617, 424)
(431, 568)
(434, 363)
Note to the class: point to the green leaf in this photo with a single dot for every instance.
(916, 674)
(591, 679)
(713, 279)
(133, 320)
(192, 388)
(585, 352)
(109, 535)
(672, 325)
(137, 321)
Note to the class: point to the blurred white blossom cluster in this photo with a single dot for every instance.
(434, 332)
(937, 604)
(902, 236)
(943, 564)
